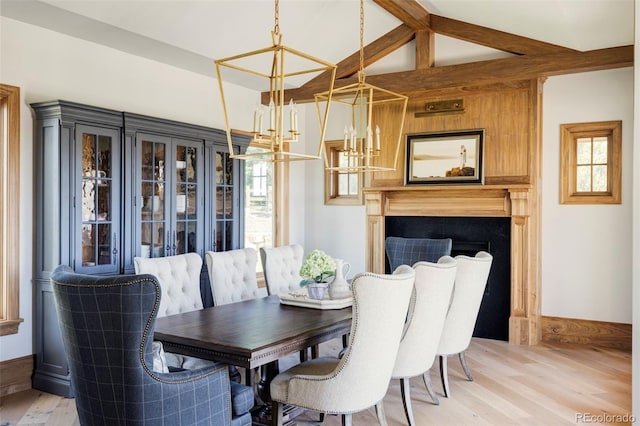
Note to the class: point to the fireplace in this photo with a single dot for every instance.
(470, 235)
(508, 210)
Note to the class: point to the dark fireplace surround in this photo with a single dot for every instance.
(470, 235)
(500, 219)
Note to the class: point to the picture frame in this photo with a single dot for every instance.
(453, 157)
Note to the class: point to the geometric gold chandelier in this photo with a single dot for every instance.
(365, 139)
(274, 125)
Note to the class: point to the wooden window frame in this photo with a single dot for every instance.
(9, 210)
(331, 196)
(569, 133)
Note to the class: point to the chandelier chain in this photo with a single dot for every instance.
(361, 38)
(276, 26)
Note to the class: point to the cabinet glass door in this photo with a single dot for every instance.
(186, 199)
(99, 200)
(170, 196)
(224, 202)
(154, 238)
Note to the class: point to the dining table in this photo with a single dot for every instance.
(250, 334)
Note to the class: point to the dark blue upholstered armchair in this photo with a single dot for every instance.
(407, 251)
(107, 326)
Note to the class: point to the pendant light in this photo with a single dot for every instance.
(367, 145)
(274, 126)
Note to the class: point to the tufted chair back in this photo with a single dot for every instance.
(407, 251)
(282, 268)
(232, 275)
(179, 278)
(106, 325)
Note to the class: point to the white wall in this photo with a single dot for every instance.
(47, 65)
(586, 249)
(338, 230)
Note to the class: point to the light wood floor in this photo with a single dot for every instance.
(547, 384)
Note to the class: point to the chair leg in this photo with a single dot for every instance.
(463, 361)
(315, 351)
(345, 340)
(303, 355)
(405, 387)
(427, 383)
(443, 375)
(276, 413)
(347, 420)
(382, 419)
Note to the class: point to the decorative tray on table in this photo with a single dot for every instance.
(303, 300)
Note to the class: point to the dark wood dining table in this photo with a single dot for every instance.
(251, 333)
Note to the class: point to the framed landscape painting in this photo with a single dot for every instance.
(445, 157)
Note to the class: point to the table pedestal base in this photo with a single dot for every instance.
(261, 416)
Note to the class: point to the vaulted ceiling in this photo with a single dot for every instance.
(410, 45)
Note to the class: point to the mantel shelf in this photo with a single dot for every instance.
(456, 188)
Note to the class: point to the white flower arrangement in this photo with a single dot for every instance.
(317, 267)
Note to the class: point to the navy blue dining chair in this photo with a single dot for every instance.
(107, 326)
(408, 251)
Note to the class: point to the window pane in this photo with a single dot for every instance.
(600, 183)
(583, 151)
(104, 155)
(259, 193)
(583, 179)
(600, 150)
(88, 248)
(104, 244)
(343, 160)
(343, 184)
(353, 184)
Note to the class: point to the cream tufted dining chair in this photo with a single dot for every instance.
(232, 275)
(281, 267)
(179, 278)
(421, 336)
(471, 280)
(360, 378)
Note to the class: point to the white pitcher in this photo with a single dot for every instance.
(339, 287)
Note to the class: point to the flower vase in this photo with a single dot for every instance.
(339, 287)
(317, 291)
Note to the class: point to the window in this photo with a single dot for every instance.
(259, 179)
(9, 209)
(266, 204)
(341, 188)
(591, 159)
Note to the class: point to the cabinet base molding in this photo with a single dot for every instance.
(586, 332)
(15, 375)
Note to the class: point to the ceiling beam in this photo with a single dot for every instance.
(425, 49)
(492, 38)
(374, 51)
(486, 72)
(410, 12)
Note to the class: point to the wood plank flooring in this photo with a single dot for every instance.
(547, 384)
